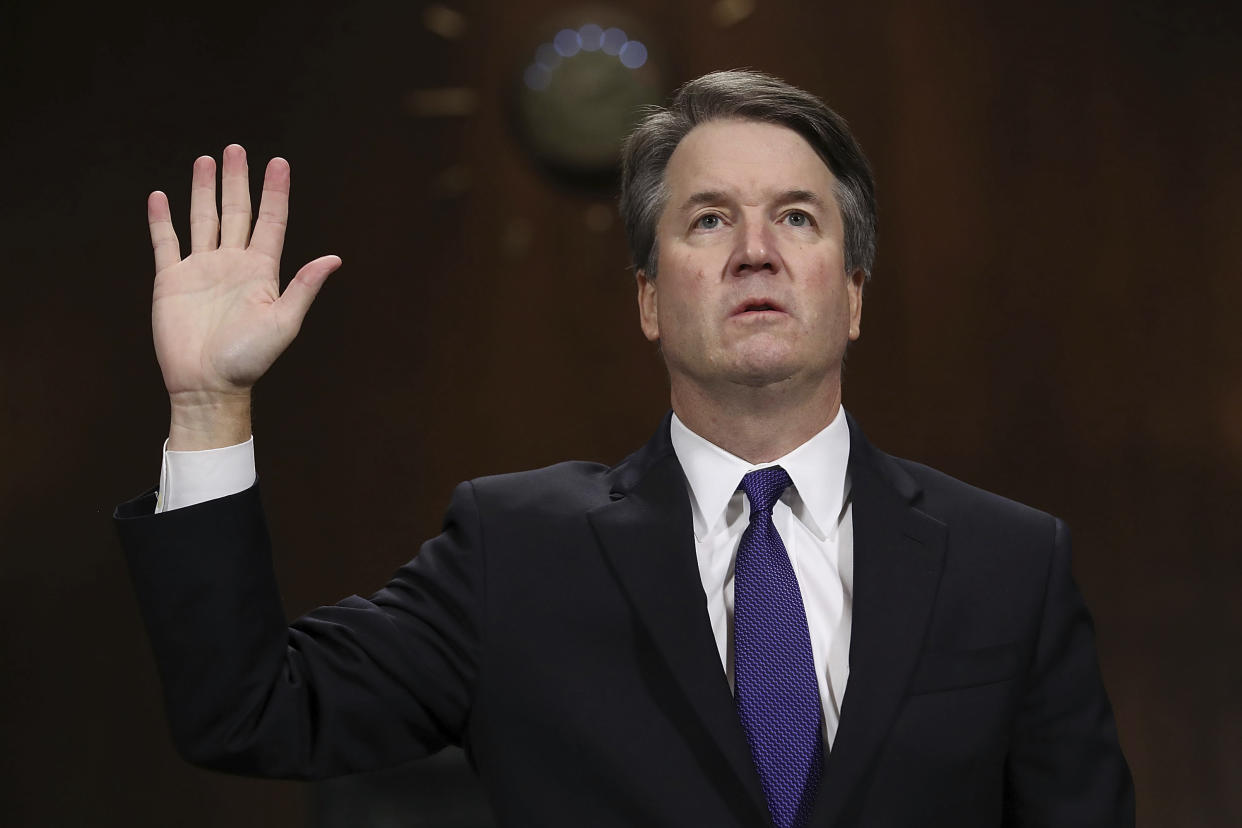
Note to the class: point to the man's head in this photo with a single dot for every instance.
(755, 207)
(749, 96)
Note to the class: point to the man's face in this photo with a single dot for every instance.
(751, 286)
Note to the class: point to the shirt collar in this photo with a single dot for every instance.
(817, 469)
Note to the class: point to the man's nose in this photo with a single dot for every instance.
(756, 250)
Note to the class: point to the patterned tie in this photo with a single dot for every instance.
(776, 691)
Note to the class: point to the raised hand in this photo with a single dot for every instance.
(218, 316)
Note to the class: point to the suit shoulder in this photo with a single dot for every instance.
(569, 487)
(954, 501)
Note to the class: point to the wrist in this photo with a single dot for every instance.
(208, 420)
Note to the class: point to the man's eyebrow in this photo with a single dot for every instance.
(787, 197)
(795, 196)
(704, 197)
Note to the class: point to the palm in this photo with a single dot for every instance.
(218, 317)
(214, 321)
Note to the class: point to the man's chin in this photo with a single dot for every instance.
(762, 374)
(762, 363)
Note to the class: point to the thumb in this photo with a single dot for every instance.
(302, 290)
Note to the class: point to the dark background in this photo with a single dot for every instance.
(1053, 316)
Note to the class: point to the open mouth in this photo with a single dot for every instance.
(758, 305)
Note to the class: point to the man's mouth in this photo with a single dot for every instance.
(757, 305)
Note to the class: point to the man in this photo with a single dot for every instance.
(756, 619)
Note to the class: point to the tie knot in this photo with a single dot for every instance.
(763, 487)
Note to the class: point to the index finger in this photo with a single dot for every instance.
(163, 236)
(269, 229)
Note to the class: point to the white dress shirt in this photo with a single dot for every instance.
(190, 477)
(813, 518)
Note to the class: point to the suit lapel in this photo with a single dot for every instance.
(898, 557)
(647, 537)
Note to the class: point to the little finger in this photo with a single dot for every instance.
(163, 236)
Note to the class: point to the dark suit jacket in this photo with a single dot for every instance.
(557, 629)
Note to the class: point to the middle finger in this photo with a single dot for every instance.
(234, 198)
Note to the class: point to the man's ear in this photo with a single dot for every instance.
(648, 307)
(854, 287)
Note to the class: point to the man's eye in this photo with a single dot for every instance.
(708, 222)
(798, 219)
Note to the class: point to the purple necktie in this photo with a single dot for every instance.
(774, 673)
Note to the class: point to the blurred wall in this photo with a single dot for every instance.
(1053, 317)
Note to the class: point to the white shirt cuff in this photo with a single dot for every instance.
(190, 477)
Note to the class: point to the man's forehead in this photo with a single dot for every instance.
(745, 159)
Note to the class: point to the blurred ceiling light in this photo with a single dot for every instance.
(633, 54)
(612, 40)
(537, 77)
(547, 56)
(448, 102)
(591, 37)
(449, 24)
(567, 43)
(591, 74)
(726, 13)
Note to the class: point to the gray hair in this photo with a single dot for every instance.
(750, 96)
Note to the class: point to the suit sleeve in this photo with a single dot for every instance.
(364, 684)
(1065, 767)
